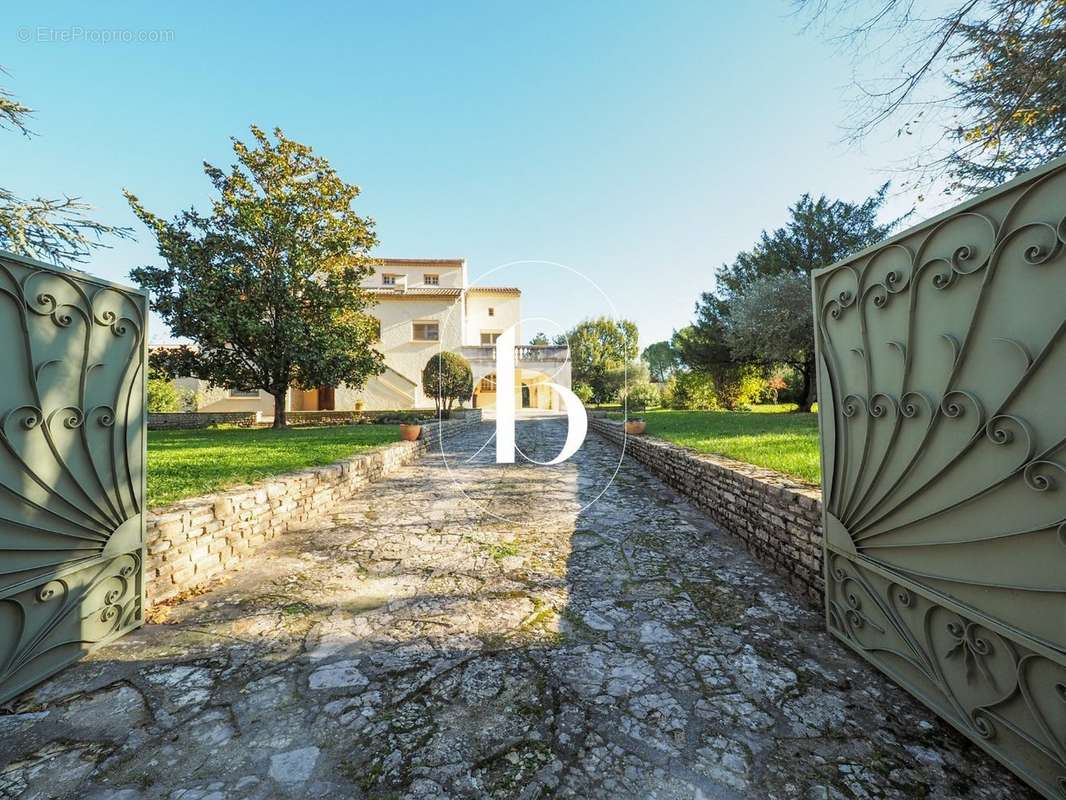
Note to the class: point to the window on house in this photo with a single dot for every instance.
(489, 338)
(431, 280)
(426, 332)
(388, 279)
(487, 384)
(492, 311)
(236, 393)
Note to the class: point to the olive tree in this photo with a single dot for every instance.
(758, 315)
(770, 322)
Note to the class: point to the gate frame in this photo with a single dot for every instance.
(830, 548)
(140, 299)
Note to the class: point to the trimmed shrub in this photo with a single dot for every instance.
(448, 378)
(583, 391)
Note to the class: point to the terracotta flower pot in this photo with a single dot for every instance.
(409, 432)
(635, 427)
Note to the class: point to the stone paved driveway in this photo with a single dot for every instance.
(421, 644)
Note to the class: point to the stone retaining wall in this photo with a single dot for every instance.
(323, 417)
(191, 420)
(194, 541)
(778, 518)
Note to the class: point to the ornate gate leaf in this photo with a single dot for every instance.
(71, 466)
(942, 388)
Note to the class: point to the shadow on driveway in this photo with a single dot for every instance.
(471, 630)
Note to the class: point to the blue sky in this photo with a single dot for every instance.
(642, 144)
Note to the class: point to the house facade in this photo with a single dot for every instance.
(423, 306)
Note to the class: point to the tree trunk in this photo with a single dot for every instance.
(279, 409)
(807, 396)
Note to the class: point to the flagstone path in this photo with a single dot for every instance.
(468, 630)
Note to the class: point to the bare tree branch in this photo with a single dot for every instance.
(13, 114)
(56, 230)
(1003, 63)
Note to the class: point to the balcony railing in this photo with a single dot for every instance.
(524, 352)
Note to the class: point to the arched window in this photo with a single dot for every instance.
(487, 384)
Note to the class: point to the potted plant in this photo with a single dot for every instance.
(410, 428)
(637, 397)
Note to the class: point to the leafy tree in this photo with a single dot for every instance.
(583, 392)
(540, 338)
(793, 382)
(776, 383)
(616, 379)
(703, 346)
(733, 329)
(738, 385)
(770, 322)
(447, 376)
(662, 360)
(987, 79)
(267, 285)
(704, 349)
(162, 396)
(819, 232)
(640, 395)
(598, 346)
(689, 389)
(50, 229)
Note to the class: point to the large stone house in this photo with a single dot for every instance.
(423, 306)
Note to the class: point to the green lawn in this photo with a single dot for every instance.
(187, 463)
(765, 436)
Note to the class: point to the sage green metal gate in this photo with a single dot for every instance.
(72, 426)
(942, 382)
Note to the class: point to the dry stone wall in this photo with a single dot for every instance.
(197, 540)
(193, 420)
(778, 518)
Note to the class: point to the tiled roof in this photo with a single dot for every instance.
(494, 290)
(440, 291)
(418, 291)
(395, 262)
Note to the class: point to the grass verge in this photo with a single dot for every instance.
(189, 463)
(784, 442)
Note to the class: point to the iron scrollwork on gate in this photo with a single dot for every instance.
(942, 387)
(72, 444)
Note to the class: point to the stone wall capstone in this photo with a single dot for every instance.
(778, 518)
(199, 539)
